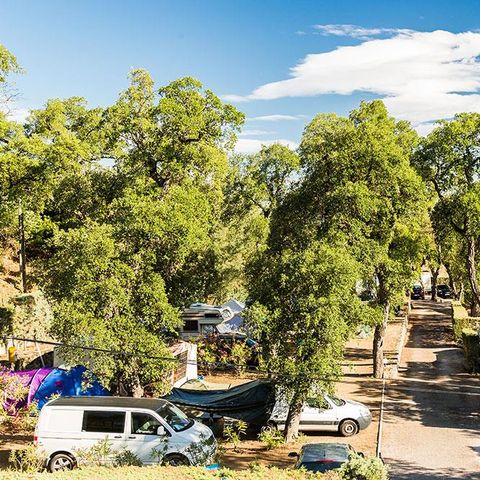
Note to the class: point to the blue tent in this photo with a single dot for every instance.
(43, 383)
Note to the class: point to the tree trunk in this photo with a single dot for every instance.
(472, 277)
(434, 283)
(293, 418)
(378, 340)
(135, 388)
(452, 283)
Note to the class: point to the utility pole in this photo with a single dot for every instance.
(23, 260)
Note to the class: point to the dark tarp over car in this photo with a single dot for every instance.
(251, 402)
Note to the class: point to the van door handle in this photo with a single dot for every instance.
(132, 437)
(117, 436)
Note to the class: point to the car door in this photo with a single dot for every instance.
(103, 425)
(318, 414)
(142, 437)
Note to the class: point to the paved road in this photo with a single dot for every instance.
(432, 410)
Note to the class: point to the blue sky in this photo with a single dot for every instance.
(235, 47)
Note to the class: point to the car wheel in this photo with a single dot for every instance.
(348, 428)
(176, 460)
(61, 461)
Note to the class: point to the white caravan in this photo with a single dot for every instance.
(153, 429)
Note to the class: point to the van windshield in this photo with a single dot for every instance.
(175, 417)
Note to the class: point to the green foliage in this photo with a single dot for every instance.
(167, 473)
(99, 454)
(364, 468)
(13, 416)
(28, 459)
(271, 438)
(471, 348)
(233, 432)
(126, 458)
(461, 321)
(449, 160)
(8, 64)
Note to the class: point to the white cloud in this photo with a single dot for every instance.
(421, 76)
(424, 129)
(253, 145)
(356, 31)
(246, 133)
(274, 118)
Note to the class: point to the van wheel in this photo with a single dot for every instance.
(348, 428)
(61, 461)
(176, 460)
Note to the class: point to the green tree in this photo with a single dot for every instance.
(449, 159)
(358, 185)
(305, 307)
(115, 244)
(255, 185)
(359, 176)
(103, 299)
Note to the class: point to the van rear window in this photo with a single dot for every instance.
(104, 422)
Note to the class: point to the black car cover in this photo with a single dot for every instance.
(251, 402)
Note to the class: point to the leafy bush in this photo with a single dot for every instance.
(168, 473)
(126, 458)
(240, 353)
(15, 415)
(28, 459)
(364, 468)
(461, 321)
(471, 349)
(233, 432)
(271, 437)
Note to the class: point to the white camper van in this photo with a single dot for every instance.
(153, 429)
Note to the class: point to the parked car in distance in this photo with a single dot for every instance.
(142, 425)
(322, 457)
(418, 293)
(443, 291)
(327, 413)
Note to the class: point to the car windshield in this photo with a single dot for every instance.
(337, 401)
(175, 417)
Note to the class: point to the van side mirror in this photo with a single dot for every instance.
(161, 431)
(293, 455)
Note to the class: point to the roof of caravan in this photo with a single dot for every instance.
(113, 402)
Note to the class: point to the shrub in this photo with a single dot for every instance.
(126, 458)
(461, 320)
(239, 356)
(364, 468)
(15, 416)
(28, 459)
(233, 432)
(471, 349)
(271, 437)
(99, 454)
(168, 473)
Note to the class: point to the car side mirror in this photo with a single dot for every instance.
(161, 431)
(293, 455)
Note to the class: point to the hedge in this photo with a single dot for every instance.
(471, 349)
(461, 321)
(169, 473)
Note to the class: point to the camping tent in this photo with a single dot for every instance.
(251, 402)
(45, 382)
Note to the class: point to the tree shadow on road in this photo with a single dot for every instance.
(412, 471)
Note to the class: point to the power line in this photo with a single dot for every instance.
(232, 366)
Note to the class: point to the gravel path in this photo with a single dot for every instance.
(432, 410)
